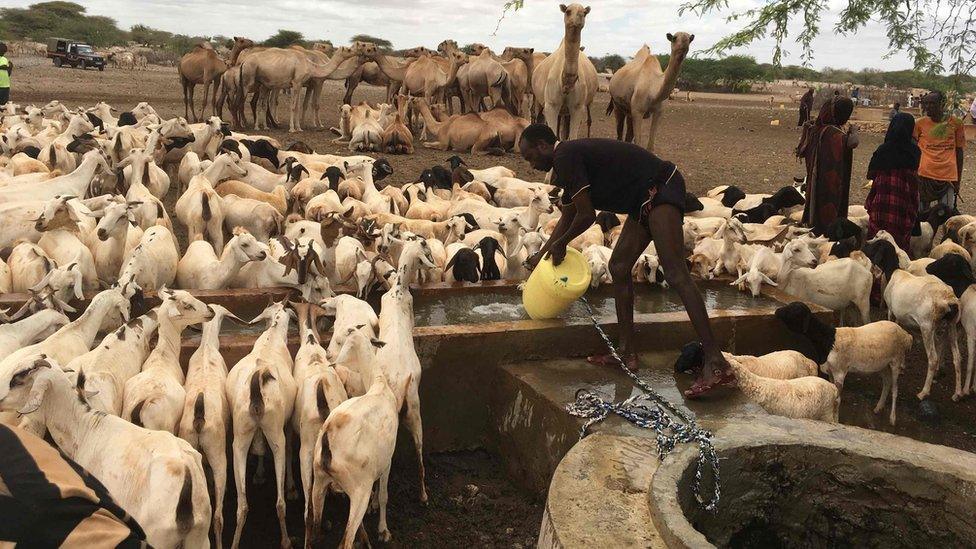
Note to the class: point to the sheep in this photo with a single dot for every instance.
(114, 361)
(277, 198)
(154, 397)
(464, 265)
(293, 264)
(6, 280)
(399, 361)
(153, 475)
(764, 265)
(320, 389)
(833, 285)
(200, 268)
(261, 393)
(950, 229)
(801, 398)
(354, 450)
(878, 347)
(259, 218)
(775, 365)
(598, 259)
(206, 416)
(648, 269)
(956, 272)
(153, 262)
(927, 304)
(927, 223)
(488, 250)
(447, 231)
(950, 247)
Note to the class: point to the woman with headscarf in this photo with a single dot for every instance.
(827, 147)
(806, 105)
(892, 203)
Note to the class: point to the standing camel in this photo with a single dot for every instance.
(638, 90)
(284, 69)
(566, 81)
(519, 63)
(424, 77)
(486, 77)
(201, 65)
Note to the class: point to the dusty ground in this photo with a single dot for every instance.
(714, 140)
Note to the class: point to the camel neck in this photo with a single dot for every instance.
(571, 53)
(390, 68)
(432, 123)
(670, 76)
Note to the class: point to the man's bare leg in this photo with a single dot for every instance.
(633, 240)
(666, 228)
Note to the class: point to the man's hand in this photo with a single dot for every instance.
(557, 253)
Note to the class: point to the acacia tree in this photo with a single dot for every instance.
(381, 43)
(938, 35)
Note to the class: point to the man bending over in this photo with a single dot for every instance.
(623, 178)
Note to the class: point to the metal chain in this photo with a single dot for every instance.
(650, 410)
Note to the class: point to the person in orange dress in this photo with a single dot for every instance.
(942, 140)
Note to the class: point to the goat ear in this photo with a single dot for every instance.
(77, 285)
(768, 280)
(41, 384)
(377, 343)
(738, 281)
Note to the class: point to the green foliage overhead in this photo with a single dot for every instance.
(381, 43)
(938, 35)
(284, 38)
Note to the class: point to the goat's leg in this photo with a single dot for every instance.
(896, 367)
(864, 306)
(970, 343)
(416, 428)
(932, 354)
(315, 506)
(305, 460)
(384, 531)
(956, 358)
(358, 501)
(276, 442)
(885, 388)
(242, 441)
(214, 448)
(290, 489)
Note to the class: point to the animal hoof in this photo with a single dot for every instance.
(385, 536)
(956, 397)
(922, 395)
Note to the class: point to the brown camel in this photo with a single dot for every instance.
(370, 73)
(519, 63)
(485, 77)
(565, 82)
(639, 89)
(201, 65)
(423, 77)
(460, 132)
(508, 126)
(285, 69)
(314, 86)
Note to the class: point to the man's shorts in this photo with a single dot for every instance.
(671, 191)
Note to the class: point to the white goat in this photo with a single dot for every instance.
(200, 268)
(802, 398)
(153, 262)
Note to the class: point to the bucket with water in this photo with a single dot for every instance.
(550, 289)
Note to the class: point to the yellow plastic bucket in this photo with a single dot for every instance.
(550, 290)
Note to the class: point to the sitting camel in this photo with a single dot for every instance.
(638, 90)
(464, 132)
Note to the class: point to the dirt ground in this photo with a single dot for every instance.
(715, 140)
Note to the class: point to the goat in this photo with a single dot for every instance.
(153, 262)
(153, 475)
(206, 416)
(154, 397)
(833, 285)
(115, 360)
(200, 268)
(261, 393)
(277, 198)
(260, 218)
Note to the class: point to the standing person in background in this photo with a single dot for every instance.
(892, 203)
(6, 68)
(894, 112)
(827, 147)
(806, 107)
(943, 141)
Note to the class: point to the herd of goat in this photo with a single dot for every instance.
(82, 217)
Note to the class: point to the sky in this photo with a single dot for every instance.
(613, 26)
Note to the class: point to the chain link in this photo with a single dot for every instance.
(650, 410)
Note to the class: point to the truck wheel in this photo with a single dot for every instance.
(81, 64)
(57, 62)
(101, 68)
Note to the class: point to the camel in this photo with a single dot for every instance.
(314, 86)
(201, 65)
(519, 63)
(565, 82)
(508, 126)
(639, 89)
(460, 132)
(424, 77)
(285, 69)
(370, 73)
(446, 48)
(486, 77)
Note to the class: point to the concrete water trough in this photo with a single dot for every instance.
(493, 378)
